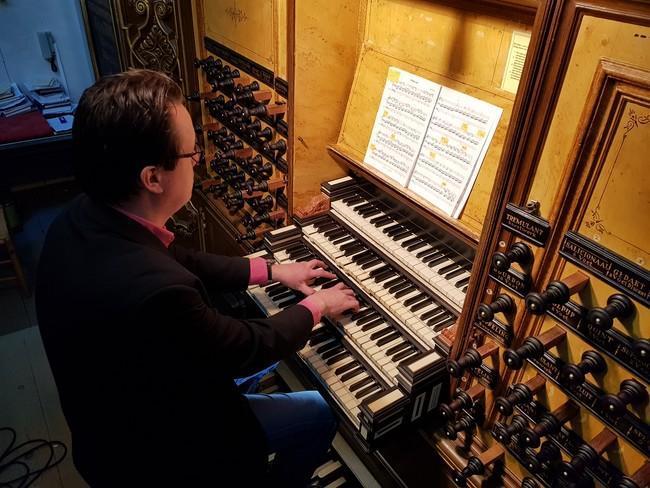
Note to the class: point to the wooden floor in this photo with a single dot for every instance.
(29, 403)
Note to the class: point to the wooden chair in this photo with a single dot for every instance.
(5, 241)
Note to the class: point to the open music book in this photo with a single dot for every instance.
(431, 139)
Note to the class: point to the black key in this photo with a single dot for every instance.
(399, 279)
(275, 286)
(398, 348)
(416, 246)
(302, 255)
(367, 390)
(432, 256)
(464, 290)
(394, 289)
(333, 352)
(405, 291)
(431, 313)
(319, 337)
(346, 367)
(373, 324)
(445, 323)
(352, 199)
(385, 275)
(396, 236)
(407, 357)
(462, 282)
(414, 299)
(334, 234)
(372, 263)
(327, 347)
(354, 250)
(336, 358)
(364, 257)
(360, 384)
(449, 267)
(278, 297)
(455, 273)
(291, 301)
(439, 260)
(330, 284)
(423, 254)
(381, 333)
(367, 318)
(306, 257)
(389, 338)
(320, 281)
(341, 240)
(379, 271)
(363, 208)
(351, 374)
(372, 212)
(391, 228)
(436, 320)
(381, 220)
(350, 245)
(326, 226)
(362, 313)
(295, 247)
(421, 305)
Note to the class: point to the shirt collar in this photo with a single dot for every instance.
(165, 236)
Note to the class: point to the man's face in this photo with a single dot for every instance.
(178, 183)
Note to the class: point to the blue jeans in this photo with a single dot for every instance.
(299, 427)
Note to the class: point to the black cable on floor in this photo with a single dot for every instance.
(16, 456)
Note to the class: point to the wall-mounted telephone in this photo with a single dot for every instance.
(46, 41)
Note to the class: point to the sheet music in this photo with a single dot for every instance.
(453, 150)
(516, 59)
(400, 125)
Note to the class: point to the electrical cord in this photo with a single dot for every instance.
(15, 456)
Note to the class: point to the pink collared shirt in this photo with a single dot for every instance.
(258, 269)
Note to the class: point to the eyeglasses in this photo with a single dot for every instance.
(197, 151)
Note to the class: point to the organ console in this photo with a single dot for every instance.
(618, 306)
(556, 292)
(631, 392)
(465, 423)
(503, 303)
(534, 347)
(519, 253)
(503, 433)
(547, 456)
(548, 424)
(520, 393)
(463, 400)
(587, 455)
(471, 359)
(538, 234)
(478, 464)
(591, 362)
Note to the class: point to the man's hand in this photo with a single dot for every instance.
(335, 300)
(300, 276)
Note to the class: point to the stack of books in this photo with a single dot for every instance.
(53, 102)
(13, 101)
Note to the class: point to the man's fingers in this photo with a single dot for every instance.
(306, 289)
(317, 263)
(321, 273)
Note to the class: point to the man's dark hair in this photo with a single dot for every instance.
(123, 124)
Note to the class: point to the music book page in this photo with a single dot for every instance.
(400, 125)
(458, 136)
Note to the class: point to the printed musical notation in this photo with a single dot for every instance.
(400, 125)
(431, 139)
(453, 149)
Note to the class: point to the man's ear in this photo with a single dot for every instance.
(150, 179)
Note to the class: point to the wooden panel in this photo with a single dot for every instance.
(451, 46)
(325, 53)
(245, 26)
(597, 38)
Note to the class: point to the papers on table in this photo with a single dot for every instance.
(431, 139)
(13, 101)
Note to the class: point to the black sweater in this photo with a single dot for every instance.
(143, 364)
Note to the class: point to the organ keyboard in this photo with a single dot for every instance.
(381, 371)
